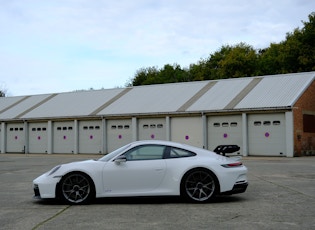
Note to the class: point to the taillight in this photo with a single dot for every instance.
(232, 165)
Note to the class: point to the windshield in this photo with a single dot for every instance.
(109, 156)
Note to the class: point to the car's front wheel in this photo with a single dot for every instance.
(76, 188)
(199, 185)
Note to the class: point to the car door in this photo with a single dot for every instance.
(140, 173)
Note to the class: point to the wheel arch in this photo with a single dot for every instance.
(199, 168)
(57, 190)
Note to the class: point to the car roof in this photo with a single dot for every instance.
(170, 143)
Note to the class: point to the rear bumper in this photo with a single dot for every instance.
(237, 188)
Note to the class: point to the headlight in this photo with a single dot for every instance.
(54, 170)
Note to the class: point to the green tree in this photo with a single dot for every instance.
(305, 38)
(2, 91)
(145, 76)
(232, 62)
(295, 54)
(173, 73)
(197, 72)
(270, 60)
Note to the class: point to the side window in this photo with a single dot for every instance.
(176, 153)
(146, 152)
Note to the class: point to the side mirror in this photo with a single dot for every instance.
(120, 159)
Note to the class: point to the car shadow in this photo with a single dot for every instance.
(146, 200)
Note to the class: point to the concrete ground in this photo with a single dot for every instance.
(281, 195)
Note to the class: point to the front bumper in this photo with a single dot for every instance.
(36, 192)
(45, 186)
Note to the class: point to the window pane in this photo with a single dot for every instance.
(176, 153)
(308, 123)
(225, 124)
(233, 124)
(217, 124)
(276, 122)
(147, 152)
(267, 123)
(257, 123)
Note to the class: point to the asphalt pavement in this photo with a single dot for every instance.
(280, 195)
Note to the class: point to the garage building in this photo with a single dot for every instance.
(265, 116)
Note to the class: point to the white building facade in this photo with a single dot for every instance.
(255, 113)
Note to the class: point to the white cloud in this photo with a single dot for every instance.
(79, 44)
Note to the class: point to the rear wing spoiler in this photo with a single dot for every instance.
(224, 149)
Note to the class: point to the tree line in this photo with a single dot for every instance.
(295, 54)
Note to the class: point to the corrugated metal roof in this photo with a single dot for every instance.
(277, 91)
(73, 104)
(265, 92)
(22, 106)
(154, 99)
(8, 102)
(220, 94)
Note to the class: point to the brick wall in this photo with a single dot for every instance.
(304, 142)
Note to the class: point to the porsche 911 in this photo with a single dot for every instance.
(145, 168)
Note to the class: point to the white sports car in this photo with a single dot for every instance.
(145, 168)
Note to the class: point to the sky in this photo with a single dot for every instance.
(54, 46)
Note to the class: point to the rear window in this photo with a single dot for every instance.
(177, 153)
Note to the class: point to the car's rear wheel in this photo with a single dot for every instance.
(199, 185)
(76, 188)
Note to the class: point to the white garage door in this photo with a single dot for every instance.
(63, 137)
(187, 130)
(90, 136)
(225, 130)
(119, 133)
(152, 129)
(38, 137)
(15, 138)
(266, 134)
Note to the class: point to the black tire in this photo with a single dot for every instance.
(76, 188)
(199, 185)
